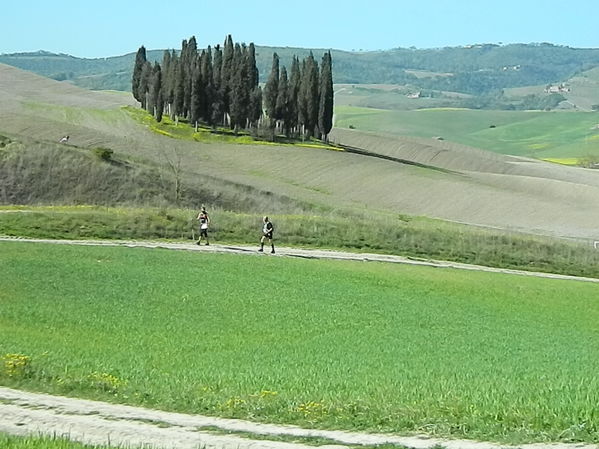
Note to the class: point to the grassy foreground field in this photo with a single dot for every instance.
(316, 343)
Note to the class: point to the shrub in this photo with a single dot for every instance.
(104, 154)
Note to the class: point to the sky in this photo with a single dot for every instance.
(111, 28)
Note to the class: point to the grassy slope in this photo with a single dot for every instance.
(316, 179)
(522, 133)
(329, 344)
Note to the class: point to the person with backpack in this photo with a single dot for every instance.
(204, 220)
(267, 231)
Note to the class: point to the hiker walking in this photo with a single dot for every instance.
(267, 230)
(204, 220)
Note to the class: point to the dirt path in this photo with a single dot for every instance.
(93, 422)
(301, 253)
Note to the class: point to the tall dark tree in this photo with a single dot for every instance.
(253, 74)
(271, 89)
(240, 94)
(179, 89)
(196, 93)
(282, 104)
(255, 112)
(144, 85)
(325, 109)
(207, 86)
(294, 88)
(169, 81)
(189, 54)
(218, 108)
(156, 98)
(140, 60)
(226, 75)
(308, 96)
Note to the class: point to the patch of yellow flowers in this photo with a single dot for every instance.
(312, 408)
(16, 365)
(106, 381)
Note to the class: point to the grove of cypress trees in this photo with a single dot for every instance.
(215, 86)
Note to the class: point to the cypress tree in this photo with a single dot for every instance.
(294, 88)
(255, 112)
(325, 110)
(282, 103)
(179, 89)
(156, 99)
(302, 100)
(309, 95)
(240, 94)
(218, 109)
(183, 108)
(226, 75)
(253, 75)
(196, 93)
(140, 60)
(170, 77)
(208, 86)
(144, 85)
(271, 89)
(191, 53)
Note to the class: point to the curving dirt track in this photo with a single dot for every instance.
(300, 253)
(93, 422)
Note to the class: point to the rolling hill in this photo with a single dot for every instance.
(472, 69)
(450, 181)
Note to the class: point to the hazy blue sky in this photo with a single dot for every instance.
(109, 27)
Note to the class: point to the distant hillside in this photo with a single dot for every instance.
(477, 69)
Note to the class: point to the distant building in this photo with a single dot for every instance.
(557, 89)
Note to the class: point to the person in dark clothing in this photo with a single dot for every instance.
(267, 232)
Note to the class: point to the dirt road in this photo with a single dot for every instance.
(93, 422)
(301, 253)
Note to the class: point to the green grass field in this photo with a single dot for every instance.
(35, 442)
(316, 343)
(522, 133)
